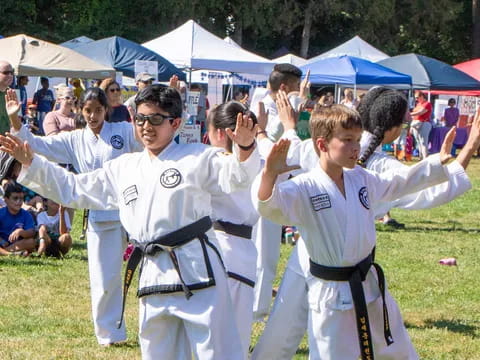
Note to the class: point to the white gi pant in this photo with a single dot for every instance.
(288, 320)
(267, 236)
(105, 255)
(240, 257)
(172, 327)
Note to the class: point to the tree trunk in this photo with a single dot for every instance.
(307, 25)
(237, 35)
(476, 28)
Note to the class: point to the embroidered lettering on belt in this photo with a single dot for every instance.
(130, 194)
(320, 202)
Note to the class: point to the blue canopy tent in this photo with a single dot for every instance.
(121, 54)
(432, 74)
(352, 70)
(73, 43)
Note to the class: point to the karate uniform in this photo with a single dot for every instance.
(279, 342)
(156, 196)
(239, 256)
(340, 231)
(105, 234)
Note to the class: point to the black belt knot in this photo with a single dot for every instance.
(167, 243)
(355, 275)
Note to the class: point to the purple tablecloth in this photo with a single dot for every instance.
(437, 135)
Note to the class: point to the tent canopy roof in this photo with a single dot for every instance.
(35, 57)
(121, 54)
(352, 70)
(73, 43)
(356, 47)
(191, 46)
(290, 59)
(429, 73)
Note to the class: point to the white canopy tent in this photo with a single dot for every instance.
(229, 40)
(290, 59)
(35, 57)
(356, 47)
(192, 47)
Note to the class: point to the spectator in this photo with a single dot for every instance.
(44, 100)
(142, 80)
(421, 125)
(349, 101)
(78, 87)
(6, 79)
(22, 81)
(451, 114)
(17, 229)
(30, 119)
(118, 112)
(53, 230)
(63, 118)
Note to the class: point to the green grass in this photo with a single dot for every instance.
(45, 303)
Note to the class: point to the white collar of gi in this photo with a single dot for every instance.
(106, 126)
(165, 153)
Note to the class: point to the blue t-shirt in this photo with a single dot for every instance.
(44, 100)
(119, 113)
(9, 222)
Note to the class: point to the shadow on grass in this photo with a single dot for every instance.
(422, 226)
(455, 326)
(31, 260)
(79, 245)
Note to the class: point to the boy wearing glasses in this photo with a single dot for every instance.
(17, 229)
(164, 199)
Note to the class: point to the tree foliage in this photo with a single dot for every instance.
(437, 28)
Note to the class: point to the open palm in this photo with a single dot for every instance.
(11, 102)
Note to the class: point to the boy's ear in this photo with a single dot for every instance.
(176, 123)
(322, 144)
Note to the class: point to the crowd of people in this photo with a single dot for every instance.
(206, 220)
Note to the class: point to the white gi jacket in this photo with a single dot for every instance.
(87, 152)
(340, 231)
(155, 196)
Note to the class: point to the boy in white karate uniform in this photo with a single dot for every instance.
(332, 207)
(164, 198)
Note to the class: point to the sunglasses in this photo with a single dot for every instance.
(69, 98)
(7, 72)
(154, 119)
(114, 90)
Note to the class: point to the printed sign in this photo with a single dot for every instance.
(193, 99)
(150, 67)
(189, 134)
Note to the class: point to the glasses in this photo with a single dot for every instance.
(114, 90)
(7, 72)
(69, 98)
(154, 119)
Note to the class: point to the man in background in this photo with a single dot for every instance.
(6, 79)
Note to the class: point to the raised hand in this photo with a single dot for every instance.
(173, 82)
(286, 113)
(262, 117)
(305, 86)
(445, 151)
(276, 162)
(12, 145)
(11, 102)
(245, 131)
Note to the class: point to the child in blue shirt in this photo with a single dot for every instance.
(17, 229)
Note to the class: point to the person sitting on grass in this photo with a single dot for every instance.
(17, 229)
(53, 231)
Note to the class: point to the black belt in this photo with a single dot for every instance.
(244, 231)
(167, 243)
(355, 275)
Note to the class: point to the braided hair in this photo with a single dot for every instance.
(381, 109)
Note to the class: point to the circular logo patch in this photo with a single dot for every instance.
(117, 142)
(170, 178)
(363, 196)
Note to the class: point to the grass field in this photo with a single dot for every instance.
(45, 305)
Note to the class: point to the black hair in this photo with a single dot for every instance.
(43, 79)
(224, 116)
(13, 188)
(283, 74)
(166, 98)
(451, 101)
(381, 109)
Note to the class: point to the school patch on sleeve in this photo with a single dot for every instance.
(363, 196)
(130, 194)
(320, 202)
(117, 142)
